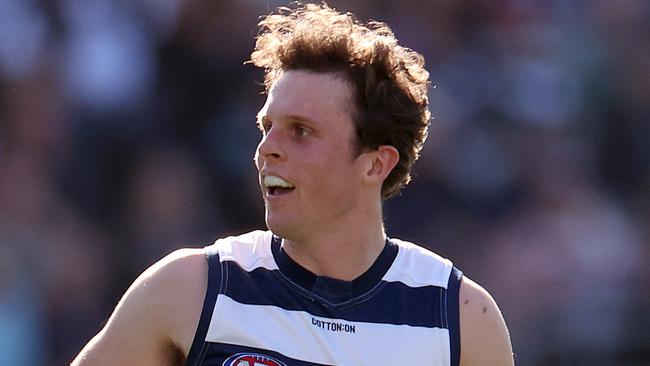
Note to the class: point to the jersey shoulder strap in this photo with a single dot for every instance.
(246, 250)
(199, 347)
(453, 314)
(418, 266)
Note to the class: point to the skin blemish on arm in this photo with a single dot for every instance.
(484, 309)
(466, 302)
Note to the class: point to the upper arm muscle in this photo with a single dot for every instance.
(484, 336)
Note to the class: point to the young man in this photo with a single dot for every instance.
(345, 118)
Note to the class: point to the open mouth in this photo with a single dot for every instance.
(277, 186)
(278, 191)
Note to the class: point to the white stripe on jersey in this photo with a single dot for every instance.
(418, 267)
(251, 250)
(414, 265)
(299, 335)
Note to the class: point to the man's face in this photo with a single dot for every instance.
(309, 176)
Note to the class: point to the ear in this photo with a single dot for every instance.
(380, 163)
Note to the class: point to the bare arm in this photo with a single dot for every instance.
(484, 336)
(155, 321)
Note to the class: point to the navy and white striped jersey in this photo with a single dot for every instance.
(262, 308)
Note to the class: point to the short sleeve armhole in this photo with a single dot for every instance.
(199, 346)
(453, 317)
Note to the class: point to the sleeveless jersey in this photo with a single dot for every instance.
(263, 309)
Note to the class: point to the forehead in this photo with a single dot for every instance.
(321, 97)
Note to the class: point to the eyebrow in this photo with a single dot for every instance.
(260, 120)
(302, 119)
(294, 118)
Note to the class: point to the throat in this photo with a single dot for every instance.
(334, 287)
(334, 261)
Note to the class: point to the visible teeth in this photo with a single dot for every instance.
(275, 181)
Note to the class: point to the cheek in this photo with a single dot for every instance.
(329, 169)
(332, 178)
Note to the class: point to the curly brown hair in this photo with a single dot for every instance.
(389, 81)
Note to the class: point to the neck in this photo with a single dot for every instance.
(344, 250)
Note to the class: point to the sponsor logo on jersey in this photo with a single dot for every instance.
(252, 359)
(334, 326)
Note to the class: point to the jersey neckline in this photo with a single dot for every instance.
(332, 290)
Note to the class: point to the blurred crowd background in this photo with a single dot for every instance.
(127, 130)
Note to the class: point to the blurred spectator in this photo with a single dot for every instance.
(55, 265)
(567, 260)
(168, 204)
(127, 129)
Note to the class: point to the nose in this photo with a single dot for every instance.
(270, 148)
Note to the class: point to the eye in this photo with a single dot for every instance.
(265, 126)
(300, 130)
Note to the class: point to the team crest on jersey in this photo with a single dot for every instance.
(252, 359)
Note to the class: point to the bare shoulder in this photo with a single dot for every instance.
(179, 283)
(155, 321)
(484, 335)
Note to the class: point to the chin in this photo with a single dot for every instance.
(282, 227)
(275, 224)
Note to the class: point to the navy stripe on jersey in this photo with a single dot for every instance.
(329, 290)
(453, 318)
(389, 303)
(199, 347)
